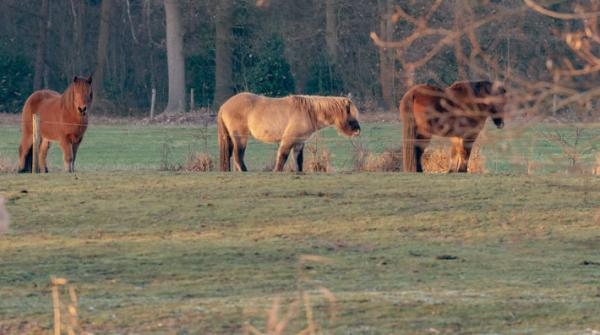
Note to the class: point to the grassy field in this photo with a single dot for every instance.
(208, 253)
(518, 148)
(174, 252)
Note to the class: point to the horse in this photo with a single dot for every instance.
(459, 112)
(63, 119)
(289, 121)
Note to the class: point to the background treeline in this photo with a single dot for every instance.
(276, 47)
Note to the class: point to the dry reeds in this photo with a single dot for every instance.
(277, 323)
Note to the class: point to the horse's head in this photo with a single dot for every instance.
(348, 121)
(82, 94)
(493, 95)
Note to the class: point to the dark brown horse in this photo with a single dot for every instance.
(459, 112)
(289, 121)
(63, 119)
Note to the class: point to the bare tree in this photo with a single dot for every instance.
(223, 72)
(387, 69)
(331, 38)
(102, 50)
(175, 60)
(40, 54)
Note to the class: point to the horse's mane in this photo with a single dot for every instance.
(68, 96)
(330, 108)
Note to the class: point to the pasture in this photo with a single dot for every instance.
(155, 252)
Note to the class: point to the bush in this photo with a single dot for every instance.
(268, 72)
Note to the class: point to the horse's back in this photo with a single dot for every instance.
(263, 117)
(38, 99)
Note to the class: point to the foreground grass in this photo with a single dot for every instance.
(157, 253)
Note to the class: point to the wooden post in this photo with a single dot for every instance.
(35, 163)
(56, 302)
(191, 99)
(152, 101)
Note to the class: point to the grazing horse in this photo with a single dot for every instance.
(63, 118)
(459, 112)
(290, 121)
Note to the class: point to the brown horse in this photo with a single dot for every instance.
(459, 112)
(63, 118)
(290, 121)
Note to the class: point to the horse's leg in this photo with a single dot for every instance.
(239, 148)
(75, 148)
(44, 146)
(468, 144)
(282, 154)
(299, 156)
(67, 148)
(420, 144)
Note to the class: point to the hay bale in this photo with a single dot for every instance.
(437, 160)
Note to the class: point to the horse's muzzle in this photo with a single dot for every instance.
(82, 110)
(499, 123)
(354, 127)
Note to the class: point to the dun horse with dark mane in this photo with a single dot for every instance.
(459, 112)
(63, 118)
(290, 121)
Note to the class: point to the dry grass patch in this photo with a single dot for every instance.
(7, 165)
(388, 161)
(318, 159)
(199, 162)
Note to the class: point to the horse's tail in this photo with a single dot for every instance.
(28, 161)
(225, 144)
(26, 151)
(409, 133)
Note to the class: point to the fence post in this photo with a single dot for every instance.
(152, 103)
(191, 99)
(35, 163)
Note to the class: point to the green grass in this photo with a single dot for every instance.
(152, 147)
(183, 253)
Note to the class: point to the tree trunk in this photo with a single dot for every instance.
(175, 61)
(386, 57)
(331, 38)
(102, 50)
(40, 53)
(223, 74)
